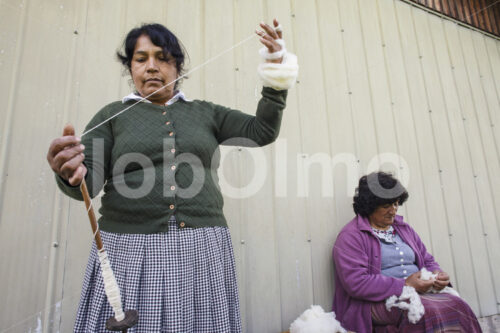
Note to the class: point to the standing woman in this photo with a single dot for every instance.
(161, 217)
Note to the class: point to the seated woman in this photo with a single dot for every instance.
(376, 255)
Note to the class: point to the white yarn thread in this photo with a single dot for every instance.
(96, 230)
(88, 210)
(170, 83)
(111, 286)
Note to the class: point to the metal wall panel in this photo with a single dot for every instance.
(376, 77)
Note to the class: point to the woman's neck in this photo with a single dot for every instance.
(379, 227)
(159, 101)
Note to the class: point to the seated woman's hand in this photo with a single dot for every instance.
(442, 280)
(421, 286)
(65, 156)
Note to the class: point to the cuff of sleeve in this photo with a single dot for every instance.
(398, 287)
(68, 189)
(278, 76)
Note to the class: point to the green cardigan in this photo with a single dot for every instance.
(156, 161)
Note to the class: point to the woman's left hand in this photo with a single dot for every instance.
(269, 36)
(442, 280)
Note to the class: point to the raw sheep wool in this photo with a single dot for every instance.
(427, 275)
(315, 320)
(410, 300)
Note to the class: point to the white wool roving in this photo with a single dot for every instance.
(315, 320)
(427, 275)
(278, 76)
(410, 300)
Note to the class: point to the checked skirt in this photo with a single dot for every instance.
(183, 280)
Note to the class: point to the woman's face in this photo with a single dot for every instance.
(151, 71)
(383, 216)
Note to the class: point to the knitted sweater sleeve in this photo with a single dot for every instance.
(356, 277)
(98, 144)
(237, 128)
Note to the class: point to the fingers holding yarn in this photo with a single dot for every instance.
(269, 30)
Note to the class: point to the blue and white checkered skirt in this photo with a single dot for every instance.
(183, 280)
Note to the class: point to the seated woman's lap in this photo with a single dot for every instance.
(443, 312)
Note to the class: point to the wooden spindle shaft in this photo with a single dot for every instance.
(131, 316)
(90, 211)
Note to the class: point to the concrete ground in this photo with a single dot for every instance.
(490, 324)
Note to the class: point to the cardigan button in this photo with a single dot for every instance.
(182, 224)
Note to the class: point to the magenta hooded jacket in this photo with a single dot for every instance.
(358, 281)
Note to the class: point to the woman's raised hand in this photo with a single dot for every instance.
(421, 286)
(268, 37)
(65, 156)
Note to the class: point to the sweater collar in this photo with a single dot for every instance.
(137, 97)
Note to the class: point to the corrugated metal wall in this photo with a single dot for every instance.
(377, 76)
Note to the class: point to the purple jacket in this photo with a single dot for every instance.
(358, 281)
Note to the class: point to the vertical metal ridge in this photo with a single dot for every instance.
(368, 77)
(431, 122)
(69, 92)
(5, 144)
(490, 118)
(445, 208)
(349, 87)
(418, 148)
(484, 154)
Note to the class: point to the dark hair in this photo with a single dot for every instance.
(160, 36)
(376, 189)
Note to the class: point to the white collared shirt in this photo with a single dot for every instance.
(175, 98)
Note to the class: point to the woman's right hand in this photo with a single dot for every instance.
(421, 286)
(65, 156)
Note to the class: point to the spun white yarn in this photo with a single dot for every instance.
(315, 320)
(278, 76)
(410, 300)
(110, 286)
